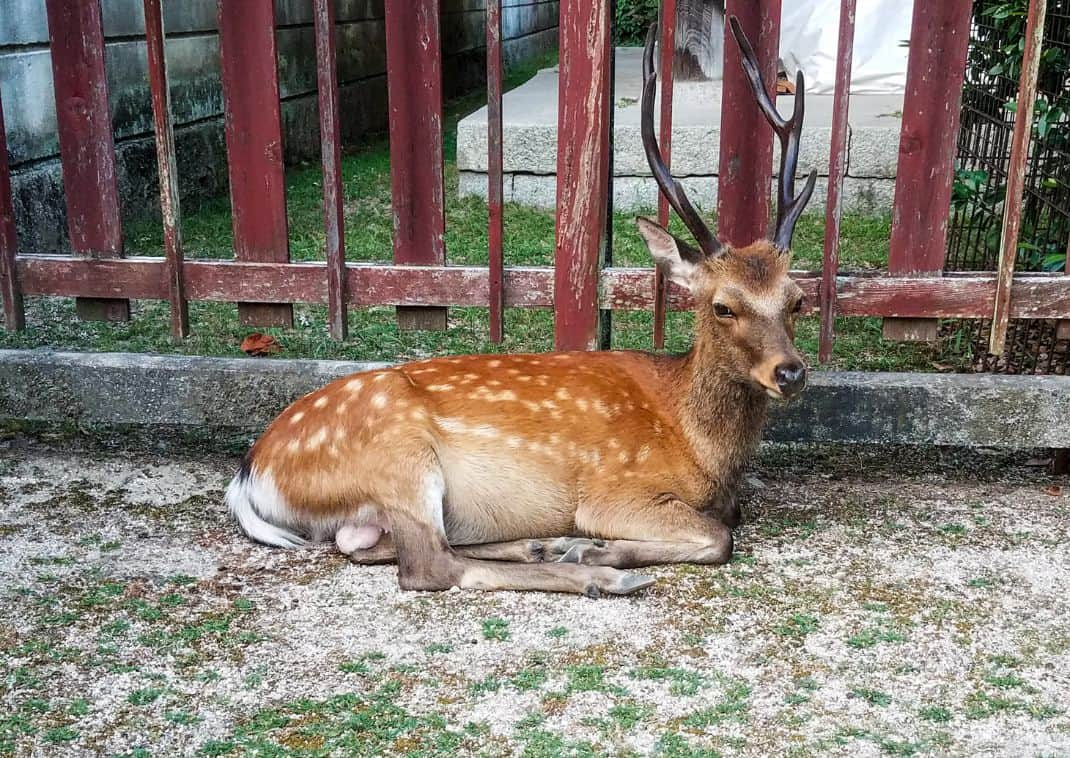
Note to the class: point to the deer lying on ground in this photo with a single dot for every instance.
(552, 472)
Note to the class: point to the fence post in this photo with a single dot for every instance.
(414, 85)
(14, 315)
(495, 221)
(830, 261)
(331, 155)
(583, 162)
(1012, 202)
(746, 162)
(254, 144)
(936, 67)
(170, 208)
(86, 145)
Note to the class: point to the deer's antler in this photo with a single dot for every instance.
(789, 205)
(671, 188)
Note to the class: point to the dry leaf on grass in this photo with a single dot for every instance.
(260, 344)
(1054, 490)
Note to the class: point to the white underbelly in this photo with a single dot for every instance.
(493, 497)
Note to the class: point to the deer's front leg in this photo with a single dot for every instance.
(661, 531)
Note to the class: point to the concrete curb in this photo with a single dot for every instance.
(123, 389)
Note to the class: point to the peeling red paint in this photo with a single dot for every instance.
(746, 157)
(86, 145)
(253, 122)
(582, 170)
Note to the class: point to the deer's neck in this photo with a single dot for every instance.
(721, 416)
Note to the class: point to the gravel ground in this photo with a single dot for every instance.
(916, 606)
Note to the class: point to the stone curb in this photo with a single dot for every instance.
(124, 389)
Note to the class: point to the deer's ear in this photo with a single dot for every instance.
(678, 259)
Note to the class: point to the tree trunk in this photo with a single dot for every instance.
(699, 40)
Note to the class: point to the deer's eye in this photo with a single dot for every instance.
(723, 311)
(797, 308)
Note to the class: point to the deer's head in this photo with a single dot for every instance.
(745, 301)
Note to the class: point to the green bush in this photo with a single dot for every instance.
(634, 17)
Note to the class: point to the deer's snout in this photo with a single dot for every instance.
(790, 378)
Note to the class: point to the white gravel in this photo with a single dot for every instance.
(862, 616)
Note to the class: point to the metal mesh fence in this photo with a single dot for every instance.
(987, 122)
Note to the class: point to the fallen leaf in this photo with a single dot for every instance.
(1054, 490)
(260, 344)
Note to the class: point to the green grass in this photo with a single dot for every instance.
(495, 629)
(529, 237)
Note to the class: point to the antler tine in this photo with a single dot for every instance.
(789, 205)
(671, 188)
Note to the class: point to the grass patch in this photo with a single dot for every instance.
(874, 697)
(798, 625)
(495, 629)
(682, 681)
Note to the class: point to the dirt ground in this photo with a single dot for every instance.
(917, 606)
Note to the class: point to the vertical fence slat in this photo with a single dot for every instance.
(936, 66)
(1012, 204)
(668, 46)
(165, 160)
(582, 171)
(414, 80)
(830, 263)
(495, 222)
(14, 315)
(1062, 328)
(86, 145)
(249, 70)
(331, 152)
(746, 161)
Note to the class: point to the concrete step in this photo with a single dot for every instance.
(530, 141)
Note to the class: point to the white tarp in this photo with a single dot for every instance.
(808, 37)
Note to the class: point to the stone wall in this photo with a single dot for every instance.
(530, 28)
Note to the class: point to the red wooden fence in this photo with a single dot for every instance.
(420, 282)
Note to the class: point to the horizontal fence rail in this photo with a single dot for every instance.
(420, 282)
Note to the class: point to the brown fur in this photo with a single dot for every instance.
(629, 446)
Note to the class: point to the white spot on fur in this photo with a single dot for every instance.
(514, 442)
(296, 418)
(494, 364)
(643, 454)
(583, 405)
(379, 400)
(439, 387)
(354, 385)
(379, 377)
(317, 439)
(321, 402)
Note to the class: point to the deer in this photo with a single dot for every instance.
(560, 471)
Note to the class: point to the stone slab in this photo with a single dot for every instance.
(640, 193)
(530, 131)
(123, 389)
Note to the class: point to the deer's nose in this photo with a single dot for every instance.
(790, 378)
